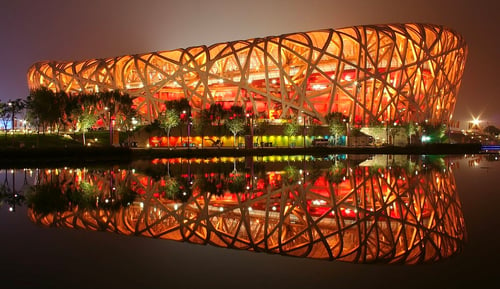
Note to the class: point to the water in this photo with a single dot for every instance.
(267, 222)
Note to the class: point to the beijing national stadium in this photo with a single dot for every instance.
(371, 74)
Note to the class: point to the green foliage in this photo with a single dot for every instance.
(291, 128)
(86, 120)
(336, 173)
(169, 119)
(291, 174)
(337, 124)
(47, 108)
(85, 197)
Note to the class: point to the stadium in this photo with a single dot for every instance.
(371, 74)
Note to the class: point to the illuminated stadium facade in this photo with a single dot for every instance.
(372, 74)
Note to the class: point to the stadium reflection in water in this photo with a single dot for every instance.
(374, 210)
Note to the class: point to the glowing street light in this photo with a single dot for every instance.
(474, 123)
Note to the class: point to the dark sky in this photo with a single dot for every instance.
(32, 31)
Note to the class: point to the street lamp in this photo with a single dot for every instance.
(110, 126)
(249, 117)
(475, 123)
(304, 128)
(12, 112)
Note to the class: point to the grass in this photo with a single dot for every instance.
(21, 140)
(37, 141)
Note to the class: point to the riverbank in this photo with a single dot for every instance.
(29, 157)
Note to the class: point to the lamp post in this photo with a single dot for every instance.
(250, 118)
(304, 128)
(110, 126)
(12, 115)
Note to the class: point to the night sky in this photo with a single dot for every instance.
(32, 31)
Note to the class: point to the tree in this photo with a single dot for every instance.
(492, 130)
(86, 121)
(167, 120)
(15, 107)
(411, 129)
(337, 125)
(128, 120)
(235, 125)
(201, 122)
(216, 114)
(183, 109)
(4, 116)
(291, 129)
(260, 128)
(42, 108)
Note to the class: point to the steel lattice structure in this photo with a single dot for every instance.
(373, 73)
(393, 215)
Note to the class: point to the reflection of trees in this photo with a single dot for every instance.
(337, 173)
(58, 191)
(291, 175)
(384, 215)
(47, 198)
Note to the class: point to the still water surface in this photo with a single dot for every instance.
(264, 222)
